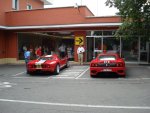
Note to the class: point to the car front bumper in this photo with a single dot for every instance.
(41, 69)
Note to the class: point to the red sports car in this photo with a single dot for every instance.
(108, 63)
(48, 63)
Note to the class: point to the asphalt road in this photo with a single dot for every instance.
(74, 91)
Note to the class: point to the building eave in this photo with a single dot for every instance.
(102, 16)
(62, 26)
(3, 27)
(46, 2)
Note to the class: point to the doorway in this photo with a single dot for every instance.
(97, 44)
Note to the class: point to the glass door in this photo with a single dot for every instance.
(107, 43)
(90, 48)
(98, 41)
(98, 46)
(94, 46)
(144, 51)
(111, 44)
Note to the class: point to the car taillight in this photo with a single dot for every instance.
(120, 64)
(94, 65)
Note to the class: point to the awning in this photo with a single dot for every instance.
(62, 26)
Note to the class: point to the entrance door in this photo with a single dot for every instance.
(144, 51)
(96, 45)
(109, 44)
(90, 48)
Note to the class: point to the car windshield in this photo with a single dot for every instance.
(45, 58)
(107, 57)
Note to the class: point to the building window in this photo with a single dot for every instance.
(15, 4)
(29, 7)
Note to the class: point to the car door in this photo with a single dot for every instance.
(64, 61)
(61, 62)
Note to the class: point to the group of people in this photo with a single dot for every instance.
(28, 52)
(62, 51)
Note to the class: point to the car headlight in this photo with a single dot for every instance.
(53, 62)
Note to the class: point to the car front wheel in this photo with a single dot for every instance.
(57, 69)
(27, 72)
(67, 64)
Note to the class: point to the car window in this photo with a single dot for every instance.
(107, 57)
(45, 58)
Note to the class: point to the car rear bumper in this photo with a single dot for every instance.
(118, 70)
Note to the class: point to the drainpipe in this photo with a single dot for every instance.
(120, 47)
(94, 49)
(139, 46)
(102, 44)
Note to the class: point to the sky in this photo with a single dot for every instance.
(97, 7)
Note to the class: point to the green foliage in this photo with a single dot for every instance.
(135, 15)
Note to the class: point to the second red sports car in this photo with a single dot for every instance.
(107, 63)
(48, 63)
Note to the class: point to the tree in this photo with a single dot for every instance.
(135, 15)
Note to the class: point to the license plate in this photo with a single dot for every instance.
(107, 70)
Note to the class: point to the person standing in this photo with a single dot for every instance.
(62, 50)
(80, 52)
(27, 54)
(38, 52)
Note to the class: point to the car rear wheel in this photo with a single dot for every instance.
(57, 69)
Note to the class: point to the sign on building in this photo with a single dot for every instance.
(79, 40)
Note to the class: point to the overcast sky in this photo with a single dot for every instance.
(98, 7)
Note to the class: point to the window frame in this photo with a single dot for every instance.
(29, 6)
(15, 4)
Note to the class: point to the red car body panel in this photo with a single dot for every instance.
(107, 64)
(47, 65)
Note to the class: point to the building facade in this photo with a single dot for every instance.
(26, 24)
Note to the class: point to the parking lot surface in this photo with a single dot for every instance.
(74, 91)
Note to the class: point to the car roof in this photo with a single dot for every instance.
(109, 54)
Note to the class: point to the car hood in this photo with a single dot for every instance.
(41, 61)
